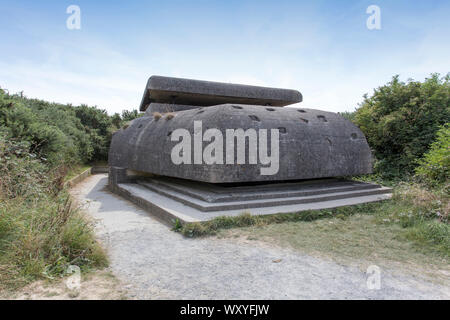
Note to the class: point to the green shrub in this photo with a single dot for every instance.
(434, 167)
(400, 121)
(99, 127)
(22, 174)
(347, 115)
(58, 133)
(41, 233)
(130, 115)
(53, 132)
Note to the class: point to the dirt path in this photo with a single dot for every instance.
(156, 263)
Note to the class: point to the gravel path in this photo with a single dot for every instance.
(157, 263)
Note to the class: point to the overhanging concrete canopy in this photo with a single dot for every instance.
(180, 91)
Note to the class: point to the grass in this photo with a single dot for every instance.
(41, 232)
(410, 228)
(157, 116)
(211, 227)
(170, 115)
(40, 238)
(356, 239)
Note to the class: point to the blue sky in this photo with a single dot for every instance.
(321, 48)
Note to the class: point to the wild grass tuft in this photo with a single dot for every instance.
(157, 116)
(40, 238)
(170, 115)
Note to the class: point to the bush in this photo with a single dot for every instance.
(434, 168)
(348, 115)
(400, 121)
(41, 233)
(22, 174)
(53, 132)
(130, 115)
(99, 127)
(57, 133)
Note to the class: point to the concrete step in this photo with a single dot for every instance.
(224, 188)
(326, 194)
(169, 209)
(213, 193)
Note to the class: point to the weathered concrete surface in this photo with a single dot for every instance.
(78, 178)
(207, 93)
(156, 263)
(169, 205)
(214, 193)
(251, 201)
(313, 144)
(166, 107)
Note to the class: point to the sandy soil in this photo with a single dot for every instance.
(100, 285)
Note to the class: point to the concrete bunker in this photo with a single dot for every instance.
(314, 148)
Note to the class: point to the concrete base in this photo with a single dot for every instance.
(189, 201)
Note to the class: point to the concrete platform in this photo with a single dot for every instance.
(193, 202)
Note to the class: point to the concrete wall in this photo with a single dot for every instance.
(77, 179)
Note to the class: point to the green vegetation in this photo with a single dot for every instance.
(211, 227)
(400, 121)
(60, 134)
(434, 168)
(41, 232)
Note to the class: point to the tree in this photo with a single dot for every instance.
(400, 121)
